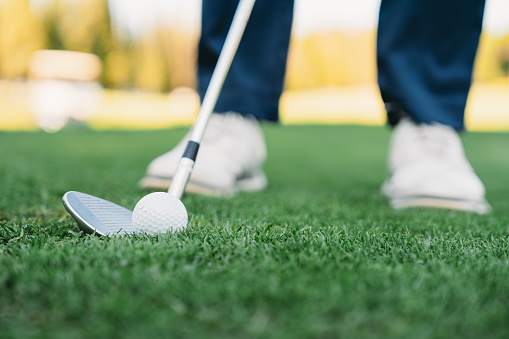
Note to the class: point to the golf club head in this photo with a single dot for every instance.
(98, 216)
(104, 218)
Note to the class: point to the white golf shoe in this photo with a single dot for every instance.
(428, 168)
(230, 159)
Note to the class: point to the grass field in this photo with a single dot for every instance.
(317, 254)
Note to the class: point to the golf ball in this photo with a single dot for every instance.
(158, 213)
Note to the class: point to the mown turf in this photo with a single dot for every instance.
(318, 254)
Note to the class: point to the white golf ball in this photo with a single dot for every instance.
(158, 213)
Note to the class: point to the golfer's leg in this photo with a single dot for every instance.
(255, 81)
(426, 51)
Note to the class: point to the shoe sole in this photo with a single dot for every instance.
(252, 183)
(479, 207)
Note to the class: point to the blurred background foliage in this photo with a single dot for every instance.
(164, 58)
(145, 61)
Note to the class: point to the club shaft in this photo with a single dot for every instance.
(223, 65)
(185, 166)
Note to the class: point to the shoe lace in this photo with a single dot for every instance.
(218, 126)
(436, 140)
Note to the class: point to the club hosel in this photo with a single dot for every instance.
(181, 177)
(184, 169)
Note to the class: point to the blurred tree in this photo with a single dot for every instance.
(180, 51)
(151, 68)
(86, 26)
(504, 55)
(331, 58)
(119, 67)
(83, 26)
(20, 35)
(489, 63)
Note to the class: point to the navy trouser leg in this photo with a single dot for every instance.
(425, 54)
(255, 81)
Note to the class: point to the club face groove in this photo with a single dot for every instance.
(98, 216)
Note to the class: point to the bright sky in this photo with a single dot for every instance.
(138, 16)
(496, 16)
(310, 15)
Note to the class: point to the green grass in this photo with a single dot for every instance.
(317, 254)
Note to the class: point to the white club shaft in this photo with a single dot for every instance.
(223, 65)
(185, 166)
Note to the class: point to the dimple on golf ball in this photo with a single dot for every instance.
(158, 213)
